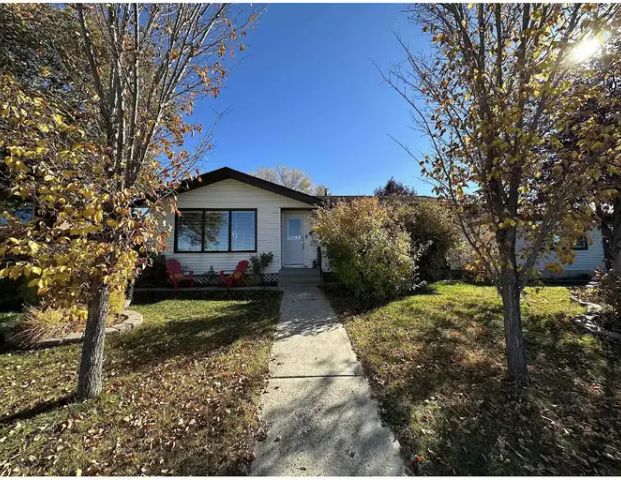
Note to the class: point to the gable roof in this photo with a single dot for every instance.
(225, 173)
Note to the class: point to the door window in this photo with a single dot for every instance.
(294, 229)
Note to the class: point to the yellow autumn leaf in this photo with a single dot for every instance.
(34, 247)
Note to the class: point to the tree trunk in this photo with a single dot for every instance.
(90, 375)
(616, 237)
(514, 338)
(610, 225)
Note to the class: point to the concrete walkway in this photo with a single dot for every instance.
(320, 416)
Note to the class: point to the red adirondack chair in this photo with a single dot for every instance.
(176, 275)
(238, 277)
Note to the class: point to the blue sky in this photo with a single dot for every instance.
(306, 94)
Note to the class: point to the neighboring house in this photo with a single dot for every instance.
(588, 257)
(225, 216)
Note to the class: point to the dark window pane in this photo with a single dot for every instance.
(582, 244)
(217, 231)
(243, 225)
(189, 231)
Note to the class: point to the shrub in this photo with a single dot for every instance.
(48, 320)
(39, 323)
(370, 253)
(154, 274)
(260, 262)
(15, 293)
(428, 223)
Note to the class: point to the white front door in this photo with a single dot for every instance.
(293, 238)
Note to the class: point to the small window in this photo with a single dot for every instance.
(216, 231)
(582, 244)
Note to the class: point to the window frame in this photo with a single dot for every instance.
(579, 246)
(230, 227)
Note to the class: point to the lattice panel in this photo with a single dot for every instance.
(252, 279)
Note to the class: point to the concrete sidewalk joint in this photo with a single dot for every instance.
(317, 408)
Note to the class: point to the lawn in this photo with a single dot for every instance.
(436, 363)
(180, 398)
(7, 321)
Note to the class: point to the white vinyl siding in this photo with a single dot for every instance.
(585, 261)
(232, 194)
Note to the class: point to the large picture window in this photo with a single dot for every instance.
(216, 231)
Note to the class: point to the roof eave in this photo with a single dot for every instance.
(226, 173)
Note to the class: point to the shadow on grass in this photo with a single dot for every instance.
(345, 304)
(440, 377)
(188, 334)
(179, 333)
(148, 298)
(43, 407)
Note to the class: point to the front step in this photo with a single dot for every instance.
(295, 277)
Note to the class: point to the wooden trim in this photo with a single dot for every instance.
(230, 227)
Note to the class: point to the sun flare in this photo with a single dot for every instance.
(585, 49)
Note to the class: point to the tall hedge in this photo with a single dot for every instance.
(371, 254)
(428, 222)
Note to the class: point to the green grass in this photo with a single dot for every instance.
(181, 394)
(8, 321)
(436, 362)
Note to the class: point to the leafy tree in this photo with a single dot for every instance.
(594, 127)
(371, 254)
(494, 106)
(147, 64)
(321, 190)
(289, 177)
(45, 153)
(39, 50)
(394, 188)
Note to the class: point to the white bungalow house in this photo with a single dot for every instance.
(225, 216)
